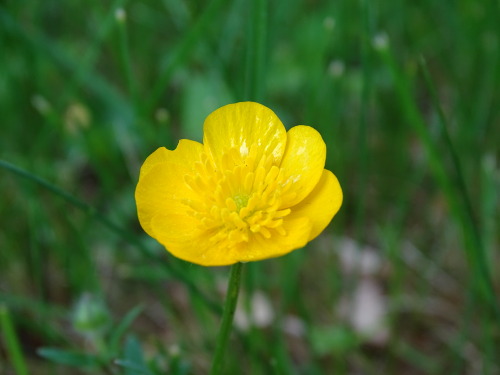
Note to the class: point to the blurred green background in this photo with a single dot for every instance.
(407, 98)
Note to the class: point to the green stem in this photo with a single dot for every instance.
(227, 318)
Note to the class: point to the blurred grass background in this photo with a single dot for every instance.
(406, 96)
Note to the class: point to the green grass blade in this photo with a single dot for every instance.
(366, 61)
(477, 253)
(121, 20)
(256, 52)
(181, 52)
(12, 343)
(436, 160)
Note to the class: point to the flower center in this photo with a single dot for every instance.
(238, 199)
(241, 200)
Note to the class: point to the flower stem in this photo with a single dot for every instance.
(227, 317)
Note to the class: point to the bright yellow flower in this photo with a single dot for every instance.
(251, 191)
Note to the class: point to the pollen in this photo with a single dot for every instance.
(239, 200)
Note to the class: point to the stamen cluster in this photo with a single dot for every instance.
(241, 199)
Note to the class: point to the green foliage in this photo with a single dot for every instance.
(406, 96)
(70, 358)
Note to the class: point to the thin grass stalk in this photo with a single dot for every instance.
(121, 20)
(121, 232)
(468, 218)
(366, 61)
(181, 52)
(482, 279)
(256, 52)
(447, 184)
(451, 149)
(84, 66)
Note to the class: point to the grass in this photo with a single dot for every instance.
(405, 96)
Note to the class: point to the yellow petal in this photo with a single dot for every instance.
(161, 155)
(241, 126)
(321, 205)
(187, 151)
(161, 186)
(184, 238)
(303, 162)
(181, 236)
(297, 234)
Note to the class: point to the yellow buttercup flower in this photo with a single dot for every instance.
(251, 191)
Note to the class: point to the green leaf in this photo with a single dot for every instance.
(133, 362)
(122, 328)
(70, 358)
